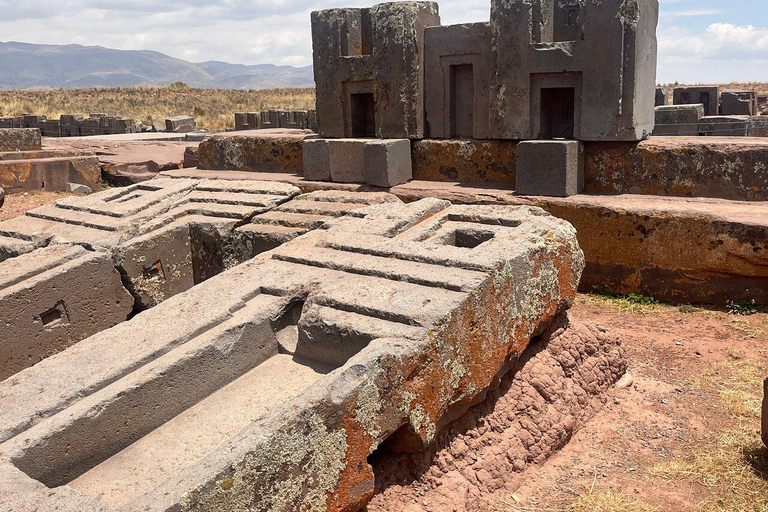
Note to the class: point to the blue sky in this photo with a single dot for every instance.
(699, 40)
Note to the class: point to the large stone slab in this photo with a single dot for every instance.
(368, 69)
(659, 246)
(382, 327)
(713, 167)
(54, 297)
(20, 139)
(50, 171)
(265, 150)
(559, 384)
(299, 216)
(465, 161)
(724, 126)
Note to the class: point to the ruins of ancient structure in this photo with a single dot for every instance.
(72, 125)
(272, 119)
(393, 72)
(246, 334)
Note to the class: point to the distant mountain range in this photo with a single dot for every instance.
(28, 66)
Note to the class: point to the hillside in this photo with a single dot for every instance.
(27, 66)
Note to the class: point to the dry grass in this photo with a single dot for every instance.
(213, 109)
(632, 303)
(760, 87)
(609, 501)
(733, 467)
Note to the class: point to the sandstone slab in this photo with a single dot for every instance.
(465, 161)
(264, 150)
(48, 171)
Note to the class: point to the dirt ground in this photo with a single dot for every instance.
(17, 204)
(681, 434)
(684, 436)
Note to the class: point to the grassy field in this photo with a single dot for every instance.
(213, 109)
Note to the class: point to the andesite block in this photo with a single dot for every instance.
(550, 168)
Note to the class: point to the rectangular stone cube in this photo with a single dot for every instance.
(678, 119)
(550, 168)
(347, 160)
(317, 163)
(387, 162)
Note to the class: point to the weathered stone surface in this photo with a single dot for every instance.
(546, 54)
(686, 251)
(265, 150)
(195, 240)
(387, 163)
(724, 126)
(164, 236)
(52, 298)
(451, 50)
(678, 119)
(78, 189)
(465, 161)
(346, 160)
(317, 160)
(693, 223)
(299, 216)
(738, 103)
(130, 161)
(377, 162)
(550, 168)
(369, 69)
(724, 168)
(20, 139)
(48, 170)
(556, 387)
(180, 124)
(426, 305)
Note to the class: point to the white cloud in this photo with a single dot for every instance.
(723, 52)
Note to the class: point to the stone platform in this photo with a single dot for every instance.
(685, 250)
(267, 387)
(715, 167)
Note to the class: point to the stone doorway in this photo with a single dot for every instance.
(558, 107)
(462, 101)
